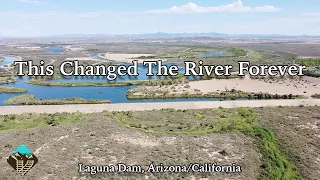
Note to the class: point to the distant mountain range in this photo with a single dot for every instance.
(177, 35)
(190, 35)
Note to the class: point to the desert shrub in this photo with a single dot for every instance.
(317, 96)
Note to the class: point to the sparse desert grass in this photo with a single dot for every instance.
(276, 164)
(196, 122)
(25, 121)
(297, 131)
(176, 123)
(4, 89)
(98, 139)
(31, 100)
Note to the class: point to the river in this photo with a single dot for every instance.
(114, 94)
(212, 54)
(7, 60)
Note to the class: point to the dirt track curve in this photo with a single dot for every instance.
(90, 108)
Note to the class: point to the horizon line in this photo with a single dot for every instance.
(155, 33)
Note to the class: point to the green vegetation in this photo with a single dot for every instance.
(31, 100)
(25, 121)
(140, 93)
(309, 62)
(317, 96)
(4, 89)
(312, 64)
(262, 57)
(188, 53)
(276, 165)
(1, 59)
(147, 57)
(199, 122)
(5, 75)
(255, 54)
(7, 80)
(81, 84)
(193, 52)
(312, 73)
(166, 95)
(102, 63)
(236, 52)
(172, 80)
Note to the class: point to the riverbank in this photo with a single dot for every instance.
(4, 89)
(152, 93)
(31, 100)
(6, 63)
(91, 108)
(7, 80)
(249, 88)
(177, 79)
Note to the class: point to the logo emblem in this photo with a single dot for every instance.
(22, 160)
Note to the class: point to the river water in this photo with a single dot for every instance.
(114, 94)
(7, 60)
(212, 54)
(54, 49)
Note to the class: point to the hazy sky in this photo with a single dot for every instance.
(56, 17)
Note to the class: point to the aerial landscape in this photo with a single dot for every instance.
(83, 100)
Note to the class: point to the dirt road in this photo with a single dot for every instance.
(89, 108)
